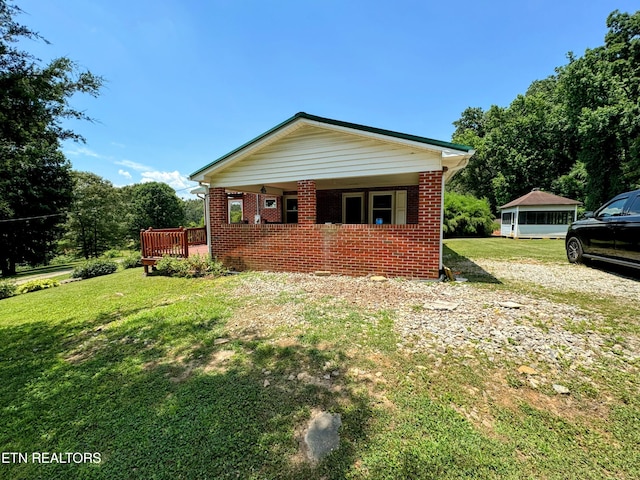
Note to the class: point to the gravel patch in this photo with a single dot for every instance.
(577, 278)
(460, 317)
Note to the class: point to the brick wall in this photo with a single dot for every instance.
(249, 209)
(410, 251)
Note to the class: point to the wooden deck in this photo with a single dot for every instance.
(174, 242)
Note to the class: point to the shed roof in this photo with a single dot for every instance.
(538, 197)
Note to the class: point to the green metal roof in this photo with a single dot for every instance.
(339, 123)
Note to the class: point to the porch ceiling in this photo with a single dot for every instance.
(277, 188)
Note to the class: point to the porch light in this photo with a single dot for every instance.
(263, 190)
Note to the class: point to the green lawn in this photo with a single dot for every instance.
(497, 248)
(147, 372)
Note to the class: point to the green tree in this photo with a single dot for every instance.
(529, 143)
(194, 212)
(476, 178)
(35, 179)
(576, 133)
(601, 90)
(152, 204)
(94, 222)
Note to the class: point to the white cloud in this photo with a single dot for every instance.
(134, 165)
(83, 151)
(174, 179)
(124, 173)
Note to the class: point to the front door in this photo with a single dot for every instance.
(353, 208)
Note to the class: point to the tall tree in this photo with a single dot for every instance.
(152, 204)
(477, 177)
(35, 179)
(602, 94)
(95, 217)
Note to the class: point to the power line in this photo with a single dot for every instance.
(24, 219)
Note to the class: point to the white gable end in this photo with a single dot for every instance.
(311, 152)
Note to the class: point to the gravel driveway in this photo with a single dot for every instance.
(466, 317)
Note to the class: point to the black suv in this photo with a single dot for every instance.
(610, 234)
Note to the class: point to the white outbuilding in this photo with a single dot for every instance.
(538, 214)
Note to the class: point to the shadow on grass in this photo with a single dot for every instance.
(464, 267)
(155, 406)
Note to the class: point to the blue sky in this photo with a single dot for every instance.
(189, 80)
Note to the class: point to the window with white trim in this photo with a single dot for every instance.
(388, 207)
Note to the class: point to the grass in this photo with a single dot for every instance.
(154, 374)
(539, 250)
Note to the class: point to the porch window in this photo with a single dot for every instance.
(388, 207)
(291, 209)
(235, 210)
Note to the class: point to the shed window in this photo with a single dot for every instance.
(545, 218)
(506, 218)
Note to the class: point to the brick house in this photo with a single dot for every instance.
(315, 194)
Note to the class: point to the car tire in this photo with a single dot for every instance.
(574, 250)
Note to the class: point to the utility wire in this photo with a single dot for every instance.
(24, 219)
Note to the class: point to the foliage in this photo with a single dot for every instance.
(94, 268)
(94, 222)
(63, 259)
(576, 133)
(152, 204)
(111, 253)
(193, 266)
(7, 288)
(35, 285)
(602, 95)
(193, 212)
(466, 216)
(35, 180)
(132, 260)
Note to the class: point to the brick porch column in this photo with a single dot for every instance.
(307, 201)
(430, 198)
(217, 206)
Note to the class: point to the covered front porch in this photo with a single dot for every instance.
(385, 228)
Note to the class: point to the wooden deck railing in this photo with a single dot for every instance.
(158, 242)
(197, 236)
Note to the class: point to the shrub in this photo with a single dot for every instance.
(111, 254)
(195, 266)
(7, 289)
(35, 285)
(132, 261)
(62, 259)
(94, 268)
(467, 216)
